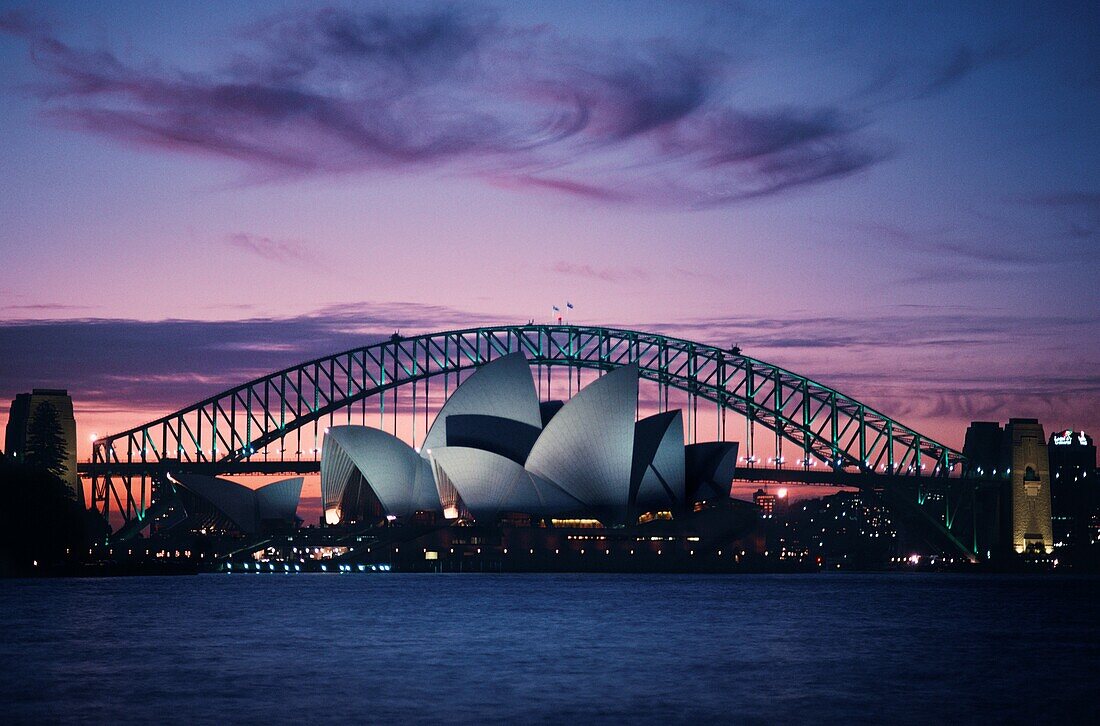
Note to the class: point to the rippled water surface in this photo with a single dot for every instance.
(551, 648)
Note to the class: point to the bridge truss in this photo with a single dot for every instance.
(280, 417)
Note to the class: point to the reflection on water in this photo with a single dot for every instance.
(547, 648)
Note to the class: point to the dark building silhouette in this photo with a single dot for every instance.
(847, 528)
(766, 502)
(21, 419)
(1074, 500)
(982, 448)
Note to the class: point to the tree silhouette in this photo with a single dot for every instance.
(40, 521)
(46, 447)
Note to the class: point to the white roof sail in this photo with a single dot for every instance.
(662, 480)
(587, 447)
(234, 500)
(400, 479)
(502, 387)
(279, 499)
(336, 470)
(491, 484)
(245, 506)
(711, 466)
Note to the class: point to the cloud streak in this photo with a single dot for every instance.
(965, 60)
(941, 366)
(1085, 201)
(928, 328)
(600, 274)
(284, 251)
(934, 370)
(166, 364)
(44, 307)
(331, 92)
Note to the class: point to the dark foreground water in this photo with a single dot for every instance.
(551, 648)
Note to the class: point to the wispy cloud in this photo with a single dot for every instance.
(987, 246)
(285, 251)
(168, 363)
(944, 363)
(964, 60)
(45, 307)
(987, 253)
(948, 364)
(602, 274)
(1088, 201)
(899, 80)
(322, 92)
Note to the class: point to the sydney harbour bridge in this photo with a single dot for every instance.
(811, 433)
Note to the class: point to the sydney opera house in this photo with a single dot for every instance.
(212, 504)
(501, 482)
(495, 451)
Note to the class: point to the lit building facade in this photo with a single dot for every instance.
(766, 502)
(1029, 474)
(494, 452)
(213, 505)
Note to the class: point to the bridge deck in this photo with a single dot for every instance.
(814, 476)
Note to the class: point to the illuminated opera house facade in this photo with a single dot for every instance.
(210, 504)
(494, 452)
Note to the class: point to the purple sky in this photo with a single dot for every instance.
(901, 201)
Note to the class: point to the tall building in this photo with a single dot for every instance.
(1029, 474)
(1018, 508)
(21, 419)
(982, 448)
(1073, 490)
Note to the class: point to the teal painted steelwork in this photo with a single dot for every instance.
(241, 424)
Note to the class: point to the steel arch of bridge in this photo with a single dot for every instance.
(233, 427)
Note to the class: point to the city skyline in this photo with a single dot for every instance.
(629, 361)
(902, 206)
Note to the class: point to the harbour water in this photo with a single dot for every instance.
(913, 648)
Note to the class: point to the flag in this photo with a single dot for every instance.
(569, 305)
